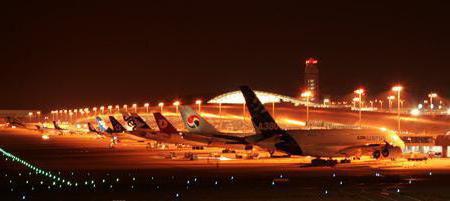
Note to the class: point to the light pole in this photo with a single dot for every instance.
(398, 89)
(273, 109)
(125, 107)
(65, 115)
(110, 109)
(39, 115)
(117, 108)
(134, 107)
(354, 100)
(243, 112)
(199, 104)
(176, 104)
(60, 115)
(93, 109)
(381, 104)
(360, 92)
(390, 99)
(161, 106)
(431, 96)
(86, 110)
(307, 95)
(30, 114)
(220, 115)
(102, 109)
(70, 114)
(146, 107)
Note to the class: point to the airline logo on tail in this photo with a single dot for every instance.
(117, 127)
(135, 121)
(162, 123)
(101, 124)
(193, 121)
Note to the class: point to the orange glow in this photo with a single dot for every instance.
(198, 102)
(359, 91)
(432, 95)
(45, 137)
(176, 103)
(307, 94)
(397, 88)
(311, 61)
(293, 122)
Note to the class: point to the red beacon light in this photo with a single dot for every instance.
(311, 61)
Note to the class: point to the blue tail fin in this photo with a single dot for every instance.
(101, 124)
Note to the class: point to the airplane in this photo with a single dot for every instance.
(15, 123)
(199, 129)
(107, 131)
(318, 142)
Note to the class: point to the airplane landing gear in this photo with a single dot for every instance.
(322, 162)
(227, 151)
(376, 154)
(345, 161)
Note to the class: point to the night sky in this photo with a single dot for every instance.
(63, 55)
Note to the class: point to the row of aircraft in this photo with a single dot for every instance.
(16, 123)
(318, 143)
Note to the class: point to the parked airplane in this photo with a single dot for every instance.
(318, 143)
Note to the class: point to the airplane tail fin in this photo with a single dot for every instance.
(163, 124)
(266, 126)
(262, 121)
(101, 124)
(92, 128)
(117, 127)
(56, 126)
(135, 121)
(195, 123)
(15, 122)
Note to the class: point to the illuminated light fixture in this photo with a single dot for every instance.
(359, 91)
(307, 94)
(432, 95)
(415, 112)
(176, 103)
(311, 61)
(397, 88)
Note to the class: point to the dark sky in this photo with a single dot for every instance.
(66, 54)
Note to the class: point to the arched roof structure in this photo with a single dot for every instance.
(236, 97)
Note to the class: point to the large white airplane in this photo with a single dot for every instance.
(318, 143)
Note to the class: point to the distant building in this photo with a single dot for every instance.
(312, 78)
